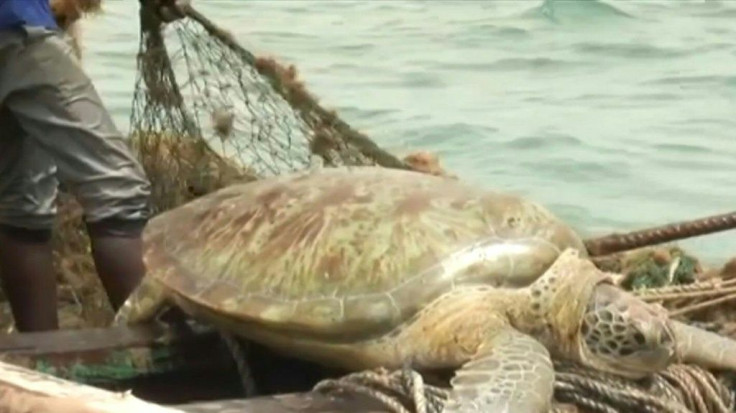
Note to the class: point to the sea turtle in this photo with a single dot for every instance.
(371, 267)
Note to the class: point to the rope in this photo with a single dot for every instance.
(239, 351)
(402, 391)
(701, 306)
(699, 295)
(697, 289)
(679, 389)
(687, 229)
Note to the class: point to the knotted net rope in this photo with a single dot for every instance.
(688, 299)
(679, 389)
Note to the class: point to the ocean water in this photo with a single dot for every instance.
(616, 115)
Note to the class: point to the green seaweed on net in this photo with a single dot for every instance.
(648, 272)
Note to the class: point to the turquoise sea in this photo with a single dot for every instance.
(616, 114)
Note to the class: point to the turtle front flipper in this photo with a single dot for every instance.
(510, 373)
(146, 301)
(709, 350)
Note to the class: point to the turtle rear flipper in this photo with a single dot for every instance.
(706, 349)
(144, 304)
(511, 373)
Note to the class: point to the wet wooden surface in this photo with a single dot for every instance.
(290, 403)
(153, 360)
(24, 390)
(83, 340)
(38, 372)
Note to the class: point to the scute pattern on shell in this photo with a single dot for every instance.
(348, 249)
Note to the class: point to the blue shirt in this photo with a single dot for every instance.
(17, 13)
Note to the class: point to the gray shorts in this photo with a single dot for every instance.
(54, 128)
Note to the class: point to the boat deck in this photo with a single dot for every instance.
(165, 369)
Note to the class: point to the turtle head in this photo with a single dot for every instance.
(623, 335)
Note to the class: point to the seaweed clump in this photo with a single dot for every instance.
(659, 267)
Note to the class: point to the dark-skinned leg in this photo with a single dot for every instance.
(27, 192)
(117, 250)
(28, 278)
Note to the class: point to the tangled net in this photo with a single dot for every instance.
(672, 278)
(699, 301)
(252, 110)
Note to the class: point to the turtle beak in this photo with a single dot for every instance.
(706, 349)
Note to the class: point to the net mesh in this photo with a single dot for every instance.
(197, 87)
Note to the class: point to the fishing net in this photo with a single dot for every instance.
(196, 85)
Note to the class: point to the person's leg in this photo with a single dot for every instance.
(28, 278)
(117, 250)
(27, 192)
(57, 105)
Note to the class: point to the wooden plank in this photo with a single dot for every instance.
(310, 403)
(51, 372)
(114, 357)
(23, 390)
(290, 403)
(79, 341)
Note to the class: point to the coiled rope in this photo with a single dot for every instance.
(679, 389)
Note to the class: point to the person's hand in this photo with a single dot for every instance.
(67, 12)
(169, 10)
